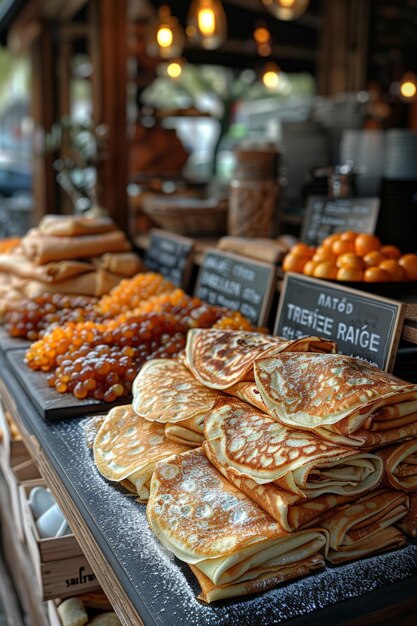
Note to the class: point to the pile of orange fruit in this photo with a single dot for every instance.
(350, 256)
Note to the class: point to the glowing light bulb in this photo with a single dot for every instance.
(261, 34)
(206, 23)
(165, 36)
(408, 86)
(286, 9)
(271, 76)
(174, 69)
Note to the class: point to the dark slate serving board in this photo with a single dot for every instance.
(51, 404)
(163, 590)
(11, 343)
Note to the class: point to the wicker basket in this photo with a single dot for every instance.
(187, 216)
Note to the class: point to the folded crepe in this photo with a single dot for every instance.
(400, 466)
(54, 272)
(94, 284)
(165, 391)
(222, 358)
(366, 526)
(127, 447)
(206, 522)
(188, 432)
(336, 396)
(247, 392)
(123, 263)
(279, 468)
(408, 524)
(73, 225)
(43, 249)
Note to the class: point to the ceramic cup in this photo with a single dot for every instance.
(64, 529)
(50, 522)
(40, 500)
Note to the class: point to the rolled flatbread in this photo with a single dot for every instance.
(75, 225)
(400, 466)
(94, 284)
(408, 523)
(123, 263)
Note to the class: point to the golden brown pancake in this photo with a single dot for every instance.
(212, 593)
(247, 392)
(366, 526)
(165, 391)
(408, 524)
(127, 447)
(252, 443)
(331, 392)
(222, 358)
(400, 465)
(205, 521)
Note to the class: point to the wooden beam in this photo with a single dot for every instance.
(109, 78)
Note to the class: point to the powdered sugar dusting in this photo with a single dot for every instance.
(167, 588)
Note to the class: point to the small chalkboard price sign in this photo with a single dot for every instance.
(238, 283)
(171, 255)
(325, 216)
(363, 325)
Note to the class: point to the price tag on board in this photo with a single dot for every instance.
(362, 324)
(171, 255)
(325, 216)
(238, 283)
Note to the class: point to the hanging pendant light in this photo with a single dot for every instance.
(166, 36)
(286, 9)
(206, 23)
(173, 69)
(262, 38)
(408, 87)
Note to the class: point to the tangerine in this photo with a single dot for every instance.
(409, 263)
(349, 259)
(391, 252)
(395, 270)
(330, 239)
(348, 235)
(302, 249)
(325, 269)
(350, 273)
(294, 263)
(376, 275)
(365, 243)
(373, 258)
(309, 267)
(340, 247)
(323, 254)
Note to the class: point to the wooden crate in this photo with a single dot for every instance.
(61, 569)
(26, 473)
(12, 452)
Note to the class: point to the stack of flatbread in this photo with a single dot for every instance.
(71, 255)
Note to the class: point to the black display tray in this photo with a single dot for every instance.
(162, 589)
(50, 404)
(12, 343)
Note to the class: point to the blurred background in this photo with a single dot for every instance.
(136, 106)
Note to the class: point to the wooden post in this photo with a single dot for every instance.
(109, 58)
(344, 45)
(43, 112)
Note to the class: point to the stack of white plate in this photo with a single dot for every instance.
(401, 155)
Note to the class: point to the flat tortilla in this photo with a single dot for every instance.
(221, 358)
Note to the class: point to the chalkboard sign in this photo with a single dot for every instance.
(325, 216)
(171, 255)
(238, 283)
(362, 324)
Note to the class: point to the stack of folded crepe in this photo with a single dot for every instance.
(232, 546)
(71, 255)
